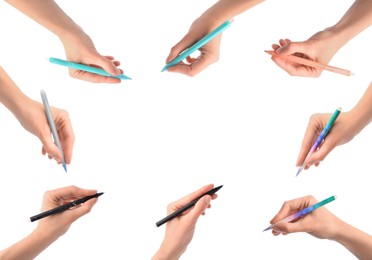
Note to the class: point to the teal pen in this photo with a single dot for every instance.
(320, 138)
(303, 212)
(183, 55)
(52, 126)
(83, 67)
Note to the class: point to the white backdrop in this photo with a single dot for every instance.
(152, 140)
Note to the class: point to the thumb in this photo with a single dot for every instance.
(288, 228)
(108, 66)
(291, 48)
(200, 207)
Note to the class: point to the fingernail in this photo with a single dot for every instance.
(279, 50)
(208, 199)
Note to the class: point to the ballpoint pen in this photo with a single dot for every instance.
(198, 45)
(320, 138)
(48, 113)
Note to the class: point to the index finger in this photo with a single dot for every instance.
(292, 206)
(187, 199)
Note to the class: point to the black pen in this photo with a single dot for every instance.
(186, 207)
(64, 207)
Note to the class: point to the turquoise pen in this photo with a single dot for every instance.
(303, 212)
(52, 126)
(183, 55)
(320, 138)
(83, 67)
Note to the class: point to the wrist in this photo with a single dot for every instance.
(358, 119)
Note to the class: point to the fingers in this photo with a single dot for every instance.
(199, 208)
(287, 47)
(91, 77)
(187, 199)
(68, 192)
(107, 63)
(49, 146)
(197, 65)
(82, 209)
(292, 206)
(182, 45)
(66, 134)
(310, 136)
(288, 228)
(325, 148)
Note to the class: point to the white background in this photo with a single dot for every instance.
(157, 138)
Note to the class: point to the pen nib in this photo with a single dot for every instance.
(65, 167)
(267, 229)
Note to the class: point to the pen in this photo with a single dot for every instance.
(79, 66)
(320, 138)
(303, 212)
(52, 126)
(186, 207)
(64, 207)
(183, 55)
(311, 63)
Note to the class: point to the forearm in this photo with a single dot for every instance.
(28, 248)
(169, 251)
(362, 112)
(10, 95)
(227, 9)
(356, 241)
(48, 14)
(357, 18)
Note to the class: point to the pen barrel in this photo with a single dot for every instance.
(50, 212)
(64, 207)
(339, 70)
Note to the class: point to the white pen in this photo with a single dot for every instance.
(52, 126)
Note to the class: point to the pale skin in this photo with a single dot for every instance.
(213, 17)
(346, 127)
(321, 223)
(50, 228)
(77, 44)
(323, 45)
(32, 117)
(180, 231)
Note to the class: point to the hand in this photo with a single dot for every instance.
(56, 225)
(343, 131)
(319, 223)
(209, 53)
(321, 47)
(180, 230)
(80, 48)
(32, 117)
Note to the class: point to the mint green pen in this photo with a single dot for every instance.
(83, 67)
(183, 55)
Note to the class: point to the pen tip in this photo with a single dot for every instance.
(163, 69)
(266, 229)
(65, 167)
